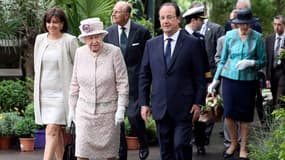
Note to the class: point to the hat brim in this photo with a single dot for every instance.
(83, 35)
(248, 21)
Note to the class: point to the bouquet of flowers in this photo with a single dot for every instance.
(213, 109)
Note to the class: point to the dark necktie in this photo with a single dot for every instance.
(167, 55)
(276, 49)
(124, 40)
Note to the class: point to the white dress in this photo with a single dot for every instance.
(52, 106)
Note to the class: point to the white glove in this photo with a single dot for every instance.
(245, 63)
(71, 117)
(120, 115)
(213, 85)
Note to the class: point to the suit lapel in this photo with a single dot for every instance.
(131, 37)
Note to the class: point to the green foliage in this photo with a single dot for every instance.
(128, 128)
(7, 122)
(270, 144)
(150, 129)
(25, 128)
(13, 95)
(10, 27)
(138, 15)
(77, 10)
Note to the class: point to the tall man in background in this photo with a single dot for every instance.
(275, 69)
(131, 38)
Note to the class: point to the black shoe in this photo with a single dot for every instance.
(143, 153)
(243, 158)
(122, 158)
(201, 150)
(227, 155)
(221, 133)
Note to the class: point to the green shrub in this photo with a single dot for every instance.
(270, 144)
(7, 122)
(25, 128)
(13, 95)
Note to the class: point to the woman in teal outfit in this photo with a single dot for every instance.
(243, 55)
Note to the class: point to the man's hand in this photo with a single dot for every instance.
(195, 110)
(145, 112)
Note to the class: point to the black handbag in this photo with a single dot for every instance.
(69, 149)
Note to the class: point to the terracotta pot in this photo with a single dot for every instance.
(133, 143)
(27, 144)
(5, 142)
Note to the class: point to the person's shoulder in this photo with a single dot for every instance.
(213, 24)
(138, 26)
(109, 46)
(155, 39)
(68, 36)
(111, 27)
(272, 35)
(256, 33)
(41, 36)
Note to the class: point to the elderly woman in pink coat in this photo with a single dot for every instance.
(98, 94)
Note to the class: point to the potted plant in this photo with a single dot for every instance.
(7, 122)
(132, 139)
(25, 130)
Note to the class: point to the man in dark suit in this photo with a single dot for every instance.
(194, 20)
(212, 32)
(135, 37)
(173, 73)
(275, 69)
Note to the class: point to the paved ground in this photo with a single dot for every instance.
(214, 151)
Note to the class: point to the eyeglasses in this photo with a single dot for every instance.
(117, 12)
(166, 17)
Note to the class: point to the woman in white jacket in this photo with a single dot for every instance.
(53, 58)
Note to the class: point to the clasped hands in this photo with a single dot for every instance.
(241, 65)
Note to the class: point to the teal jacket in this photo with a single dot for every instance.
(235, 50)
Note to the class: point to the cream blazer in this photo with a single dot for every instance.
(100, 80)
(69, 46)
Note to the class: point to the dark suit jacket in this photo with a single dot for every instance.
(199, 36)
(213, 32)
(269, 46)
(136, 42)
(176, 89)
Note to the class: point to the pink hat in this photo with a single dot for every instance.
(91, 26)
